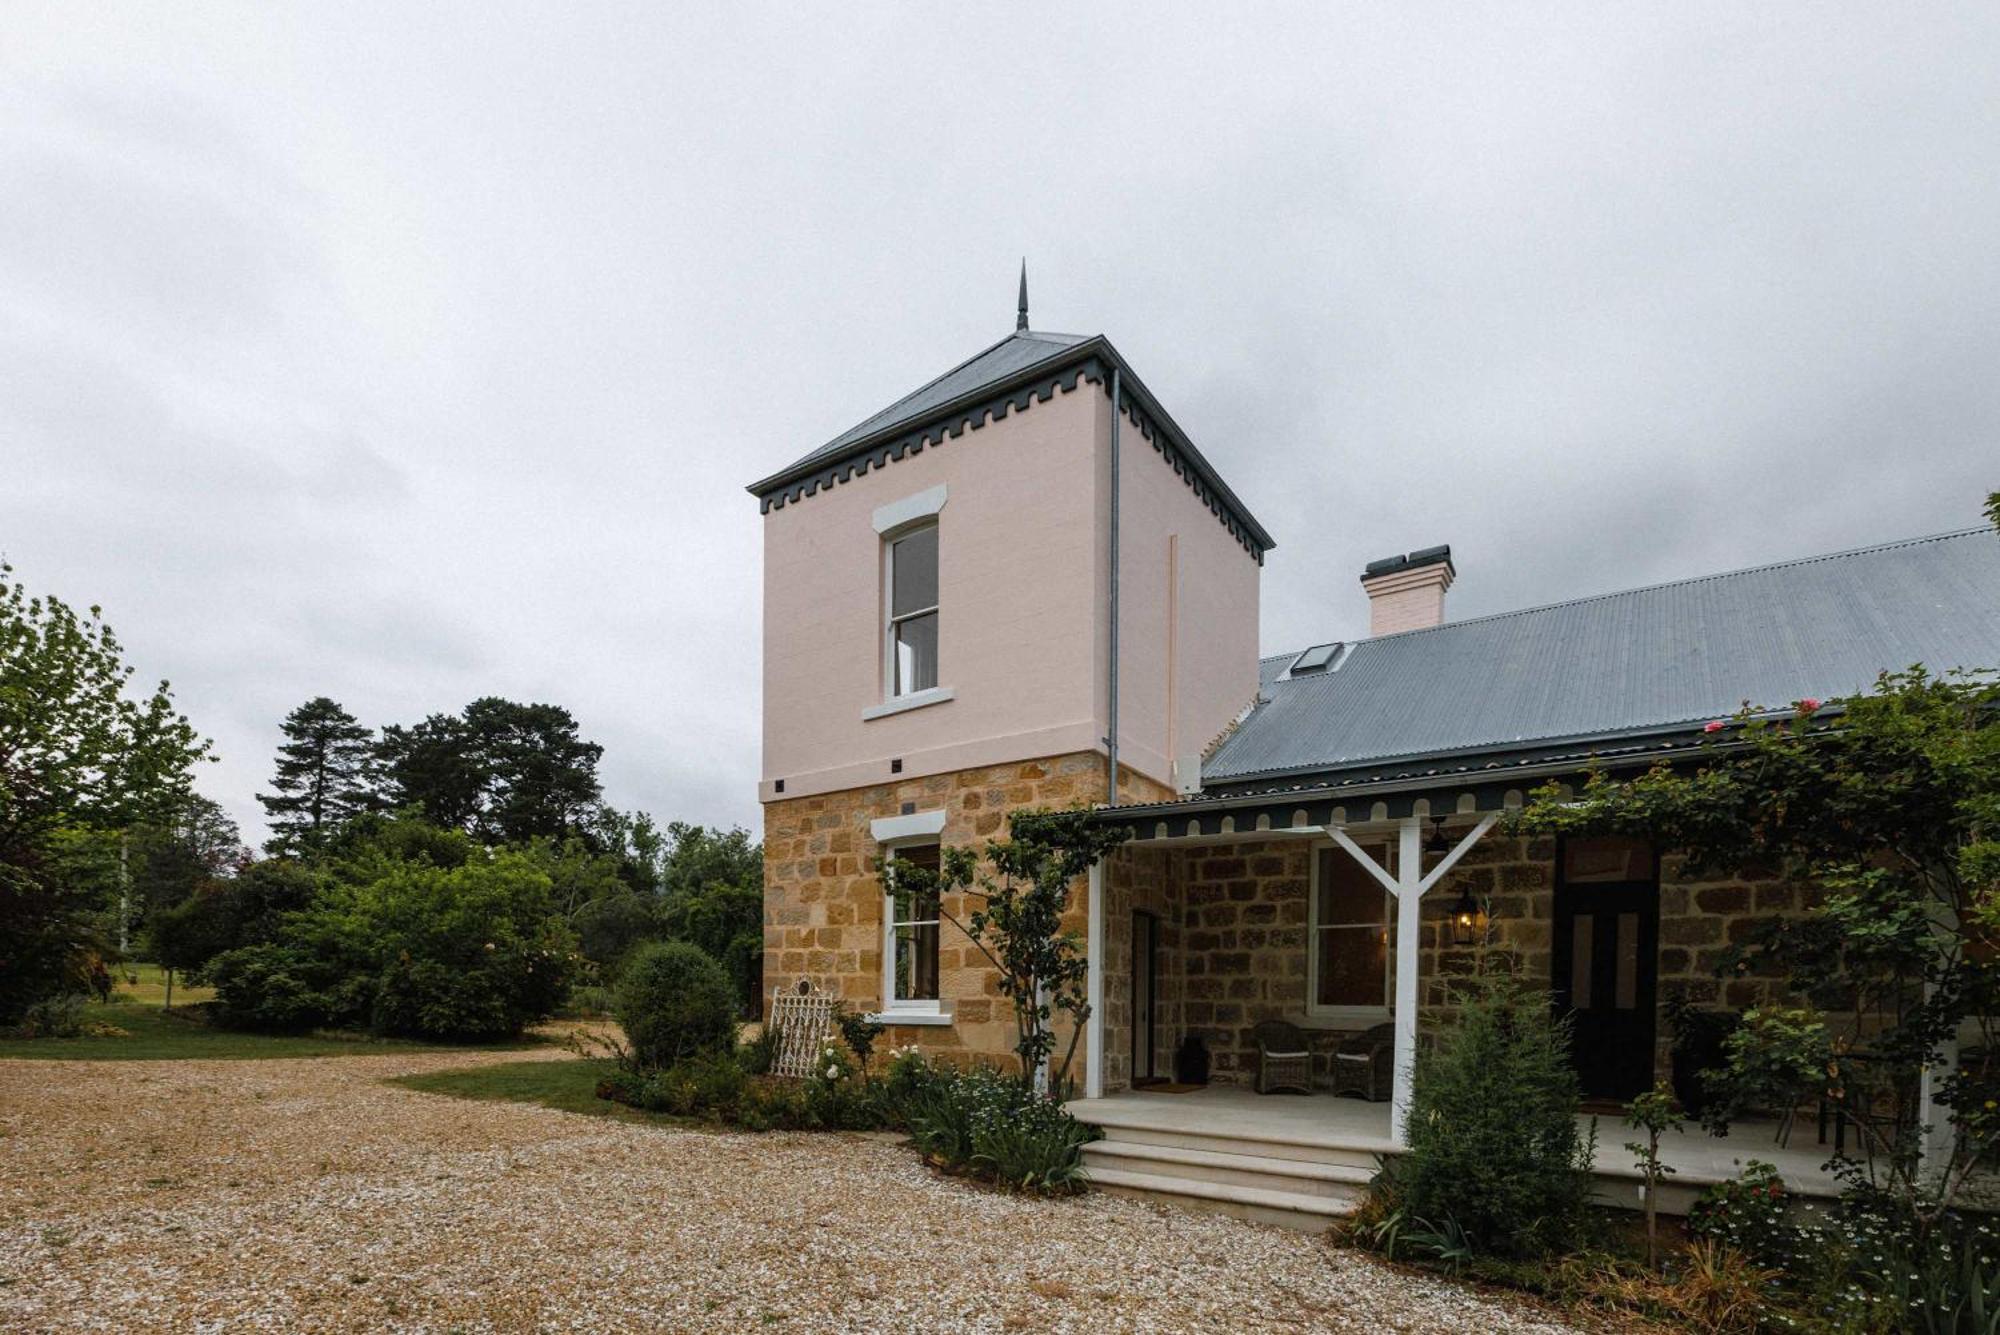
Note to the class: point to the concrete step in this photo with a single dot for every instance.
(1300, 1149)
(1229, 1168)
(1284, 1209)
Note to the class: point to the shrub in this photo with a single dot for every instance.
(59, 1016)
(471, 952)
(270, 988)
(1749, 1212)
(1495, 1151)
(468, 953)
(986, 1123)
(761, 1052)
(674, 1002)
(1036, 1148)
(771, 1105)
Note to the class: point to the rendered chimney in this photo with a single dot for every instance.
(1407, 592)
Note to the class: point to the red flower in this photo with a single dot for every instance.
(1713, 725)
(1808, 705)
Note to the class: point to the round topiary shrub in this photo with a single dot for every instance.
(674, 1002)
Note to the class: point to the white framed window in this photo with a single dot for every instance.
(910, 931)
(910, 632)
(1350, 938)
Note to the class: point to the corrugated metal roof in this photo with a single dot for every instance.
(1009, 357)
(1671, 654)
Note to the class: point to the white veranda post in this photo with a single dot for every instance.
(1408, 886)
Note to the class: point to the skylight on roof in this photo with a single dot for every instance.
(1314, 659)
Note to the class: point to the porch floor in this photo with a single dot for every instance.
(1328, 1122)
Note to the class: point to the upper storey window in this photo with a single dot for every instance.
(913, 611)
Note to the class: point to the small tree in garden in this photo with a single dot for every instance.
(1496, 1156)
(1889, 804)
(1655, 1113)
(1021, 887)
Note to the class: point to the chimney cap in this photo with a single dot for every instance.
(1423, 556)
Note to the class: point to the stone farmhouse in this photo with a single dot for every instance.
(1023, 579)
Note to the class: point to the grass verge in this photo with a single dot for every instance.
(569, 1086)
(151, 1034)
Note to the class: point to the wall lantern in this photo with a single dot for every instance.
(1468, 920)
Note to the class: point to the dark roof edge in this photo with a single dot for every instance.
(1534, 767)
(1038, 380)
(1130, 381)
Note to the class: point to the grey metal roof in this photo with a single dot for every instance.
(1009, 357)
(1026, 366)
(1647, 659)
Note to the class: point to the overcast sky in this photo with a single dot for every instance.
(407, 354)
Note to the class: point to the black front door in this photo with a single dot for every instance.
(1145, 980)
(1605, 961)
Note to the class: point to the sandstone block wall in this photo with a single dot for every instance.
(1239, 917)
(823, 896)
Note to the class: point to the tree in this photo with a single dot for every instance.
(1022, 894)
(1888, 805)
(77, 752)
(504, 772)
(168, 861)
(324, 777)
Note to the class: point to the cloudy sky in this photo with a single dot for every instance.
(407, 354)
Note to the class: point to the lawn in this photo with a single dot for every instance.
(567, 1086)
(152, 1034)
(151, 989)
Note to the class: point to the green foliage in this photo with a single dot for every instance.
(468, 953)
(250, 908)
(78, 753)
(987, 1124)
(674, 1003)
(859, 1033)
(711, 892)
(1750, 1212)
(273, 989)
(1870, 1263)
(1654, 1113)
(323, 779)
(1889, 804)
(760, 1054)
(504, 772)
(1494, 1144)
(1022, 893)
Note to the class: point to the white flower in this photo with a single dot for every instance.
(832, 1071)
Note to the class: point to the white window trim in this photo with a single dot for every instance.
(891, 833)
(906, 512)
(1360, 1017)
(893, 703)
(903, 704)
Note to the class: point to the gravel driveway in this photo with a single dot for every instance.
(181, 1196)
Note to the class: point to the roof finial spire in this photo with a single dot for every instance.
(1021, 320)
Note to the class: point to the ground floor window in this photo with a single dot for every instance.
(910, 914)
(1349, 975)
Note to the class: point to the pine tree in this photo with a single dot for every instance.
(325, 777)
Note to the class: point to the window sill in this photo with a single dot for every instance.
(936, 695)
(939, 1018)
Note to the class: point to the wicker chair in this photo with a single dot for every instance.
(1284, 1058)
(1365, 1063)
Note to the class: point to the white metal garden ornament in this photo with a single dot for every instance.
(803, 1020)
